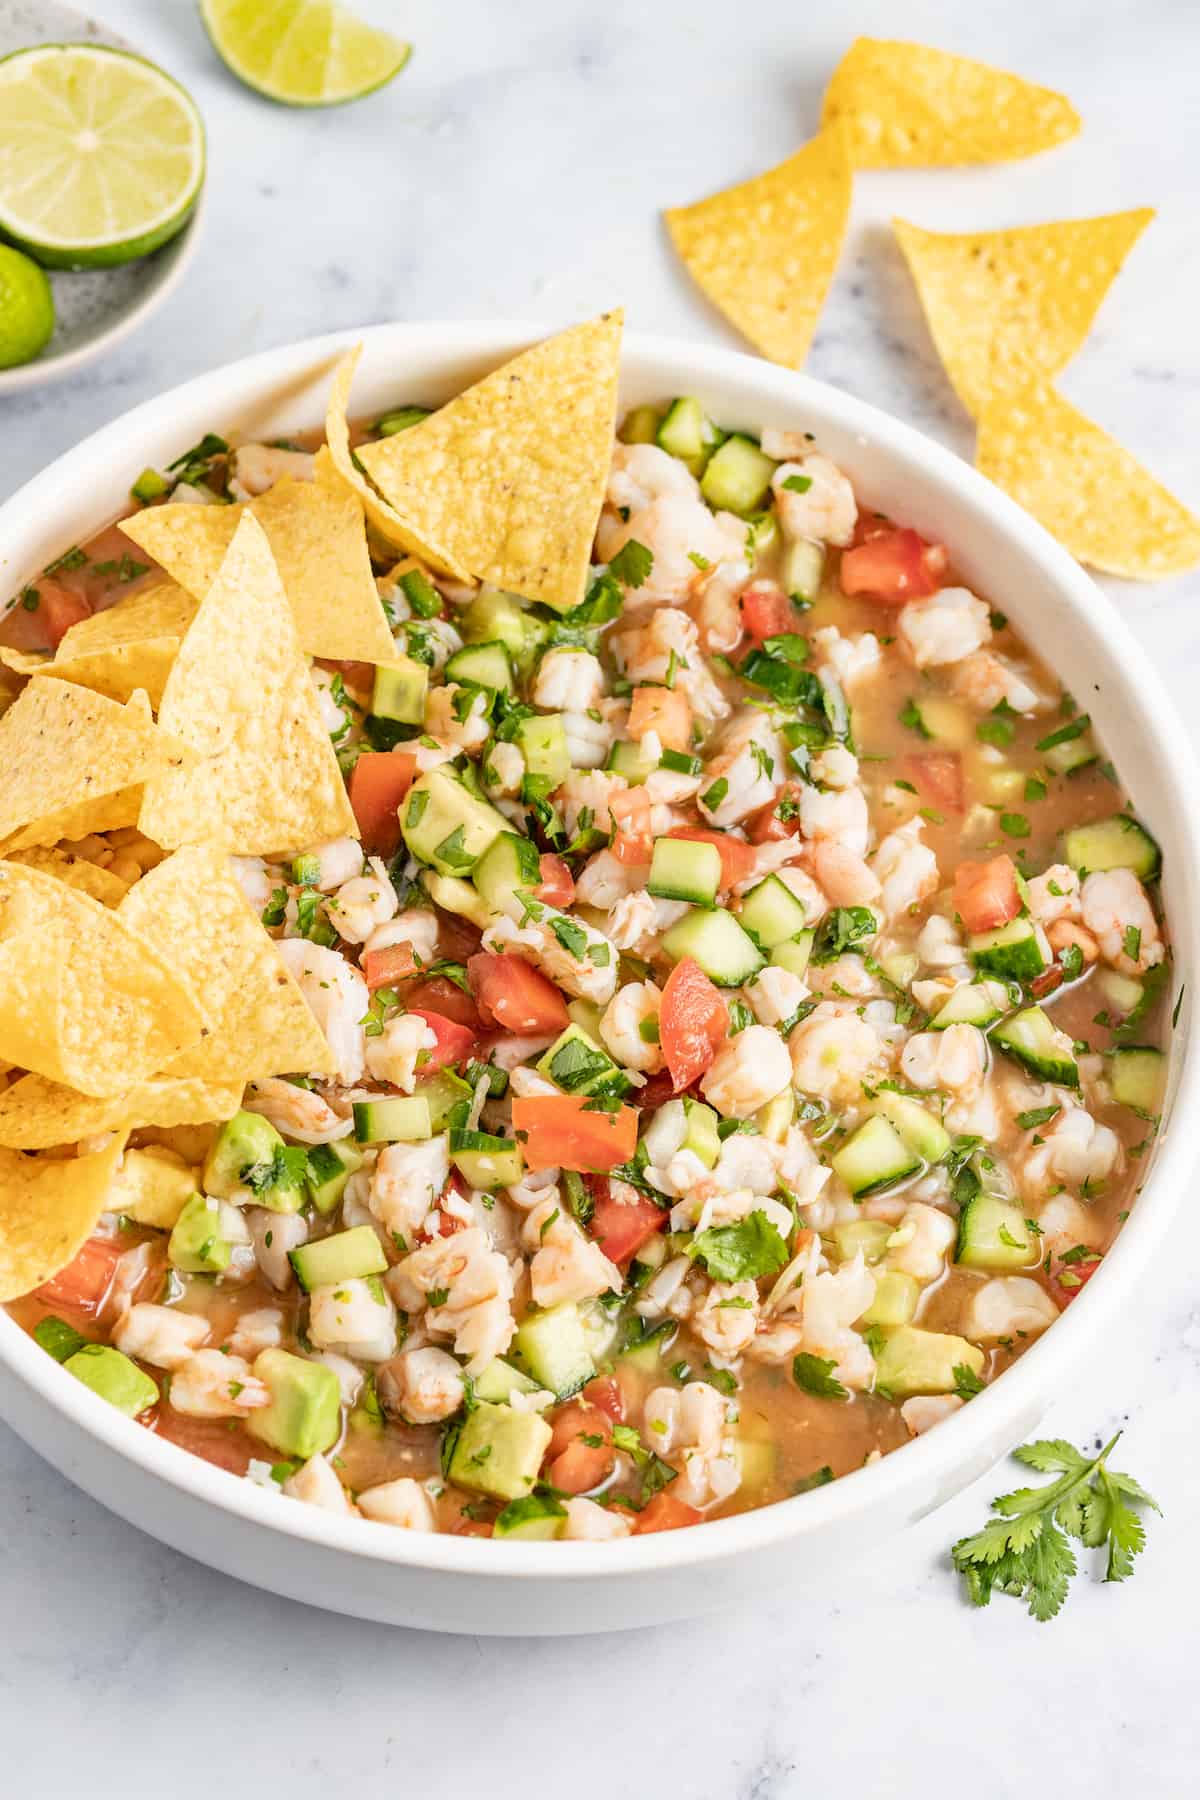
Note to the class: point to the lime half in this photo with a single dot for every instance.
(26, 309)
(302, 52)
(101, 155)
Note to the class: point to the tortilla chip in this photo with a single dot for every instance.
(36, 1114)
(765, 252)
(128, 646)
(240, 695)
(319, 540)
(49, 1207)
(76, 871)
(192, 910)
(906, 106)
(1091, 494)
(994, 297)
(25, 662)
(385, 520)
(72, 762)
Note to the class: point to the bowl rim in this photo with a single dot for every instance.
(969, 1438)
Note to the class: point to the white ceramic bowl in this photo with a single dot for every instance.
(468, 1584)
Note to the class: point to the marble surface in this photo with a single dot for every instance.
(516, 168)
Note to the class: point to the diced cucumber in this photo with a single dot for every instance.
(900, 966)
(738, 477)
(510, 862)
(895, 1301)
(553, 1347)
(577, 1064)
(496, 617)
(442, 1092)
(923, 1134)
(688, 433)
(400, 690)
(946, 721)
(1032, 1040)
(868, 1235)
(726, 953)
(683, 870)
(794, 956)
(874, 1157)
(631, 761)
(1013, 952)
(678, 762)
(801, 570)
(499, 1451)
(346, 1256)
(330, 1167)
(640, 425)
(911, 1361)
(499, 1381)
(534, 1518)
(482, 665)
(1139, 1078)
(772, 914)
(586, 1014)
(1115, 843)
(542, 741)
(646, 1353)
(445, 824)
(970, 1003)
(1123, 994)
(486, 1161)
(1075, 753)
(392, 1119)
(992, 1234)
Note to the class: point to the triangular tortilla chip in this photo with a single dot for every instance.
(36, 1114)
(765, 252)
(49, 1207)
(84, 999)
(192, 910)
(76, 871)
(1032, 292)
(127, 646)
(319, 542)
(1091, 494)
(73, 761)
(385, 520)
(509, 477)
(906, 106)
(240, 695)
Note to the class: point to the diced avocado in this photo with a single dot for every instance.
(895, 1302)
(1139, 1078)
(1014, 951)
(197, 1245)
(330, 1167)
(152, 1186)
(772, 914)
(346, 1256)
(630, 760)
(496, 617)
(874, 1157)
(1122, 993)
(915, 1123)
(499, 1451)
(392, 1119)
(868, 1235)
(992, 1234)
(533, 1519)
(900, 966)
(553, 1347)
(542, 741)
(738, 477)
(700, 1132)
(585, 1014)
(114, 1377)
(577, 1064)
(775, 1119)
(243, 1142)
(757, 1460)
(794, 956)
(683, 870)
(801, 570)
(486, 1161)
(400, 691)
(970, 1003)
(454, 895)
(726, 953)
(510, 862)
(442, 1092)
(482, 665)
(688, 433)
(304, 1416)
(500, 1380)
(911, 1361)
(640, 425)
(445, 824)
(1031, 1039)
(1115, 843)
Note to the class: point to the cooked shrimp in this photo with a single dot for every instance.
(1009, 1306)
(162, 1335)
(833, 1051)
(746, 771)
(840, 814)
(443, 706)
(668, 643)
(634, 1005)
(1075, 1150)
(398, 1052)
(924, 1411)
(985, 679)
(1116, 910)
(689, 1425)
(944, 627)
(955, 1059)
(907, 870)
(751, 1069)
(273, 1235)
(337, 996)
(360, 906)
(213, 1385)
(847, 880)
(336, 862)
(568, 680)
(415, 927)
(850, 660)
(300, 1112)
(316, 1483)
(476, 1310)
(584, 976)
(403, 1502)
(1054, 894)
(588, 1522)
(775, 994)
(257, 467)
(826, 509)
(727, 1317)
(423, 1386)
(921, 1241)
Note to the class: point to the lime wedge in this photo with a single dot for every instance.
(26, 309)
(302, 52)
(101, 155)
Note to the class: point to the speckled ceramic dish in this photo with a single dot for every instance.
(95, 308)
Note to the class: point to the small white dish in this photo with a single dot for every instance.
(444, 1583)
(94, 308)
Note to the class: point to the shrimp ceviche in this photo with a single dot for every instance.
(732, 1000)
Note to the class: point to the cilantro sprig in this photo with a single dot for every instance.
(1027, 1552)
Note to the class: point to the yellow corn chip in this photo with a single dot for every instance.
(1032, 292)
(73, 761)
(84, 1000)
(193, 911)
(386, 521)
(319, 542)
(36, 1114)
(1091, 494)
(509, 477)
(76, 871)
(49, 1207)
(765, 252)
(240, 695)
(128, 646)
(25, 662)
(909, 107)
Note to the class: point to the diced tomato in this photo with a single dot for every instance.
(209, 1439)
(633, 841)
(766, 827)
(622, 1225)
(512, 993)
(84, 1282)
(557, 886)
(1069, 1279)
(437, 993)
(383, 968)
(654, 1092)
(985, 894)
(893, 567)
(58, 609)
(466, 1526)
(737, 859)
(937, 776)
(665, 711)
(561, 1133)
(1047, 981)
(379, 781)
(580, 1454)
(693, 1022)
(605, 1392)
(767, 611)
(455, 1042)
(665, 1513)
(458, 938)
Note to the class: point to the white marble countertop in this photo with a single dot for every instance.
(517, 169)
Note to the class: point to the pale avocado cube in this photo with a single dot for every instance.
(895, 1302)
(197, 1244)
(304, 1416)
(446, 825)
(534, 1519)
(553, 1347)
(243, 1142)
(499, 1451)
(700, 1134)
(496, 617)
(911, 1361)
(500, 1380)
(114, 1377)
(152, 1186)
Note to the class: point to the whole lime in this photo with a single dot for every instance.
(26, 309)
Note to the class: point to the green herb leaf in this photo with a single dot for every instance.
(816, 1376)
(741, 1252)
(632, 564)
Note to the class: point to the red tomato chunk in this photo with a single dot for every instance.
(985, 894)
